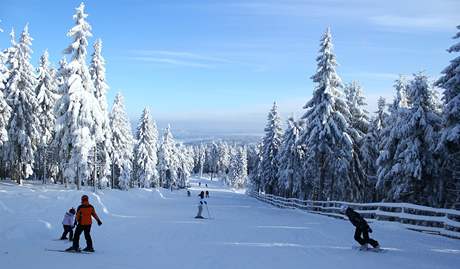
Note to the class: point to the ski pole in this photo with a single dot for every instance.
(209, 215)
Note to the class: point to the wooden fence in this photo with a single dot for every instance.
(440, 221)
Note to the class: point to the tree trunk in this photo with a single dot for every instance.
(78, 179)
(44, 168)
(95, 168)
(113, 174)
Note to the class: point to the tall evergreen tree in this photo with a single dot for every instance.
(145, 152)
(79, 116)
(23, 129)
(238, 168)
(390, 138)
(271, 145)
(328, 144)
(449, 143)
(46, 96)
(122, 141)
(415, 164)
(104, 145)
(5, 113)
(167, 159)
(224, 158)
(370, 144)
(185, 166)
(5, 109)
(290, 171)
(359, 189)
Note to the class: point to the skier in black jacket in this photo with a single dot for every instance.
(362, 228)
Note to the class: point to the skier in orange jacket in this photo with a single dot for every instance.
(83, 220)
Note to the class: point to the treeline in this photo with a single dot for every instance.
(224, 161)
(55, 125)
(407, 151)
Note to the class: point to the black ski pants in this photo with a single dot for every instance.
(67, 230)
(362, 237)
(86, 229)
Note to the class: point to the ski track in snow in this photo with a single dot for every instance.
(155, 228)
(5, 208)
(99, 200)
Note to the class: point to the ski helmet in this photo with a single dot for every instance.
(84, 198)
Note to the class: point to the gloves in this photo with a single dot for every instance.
(369, 229)
(99, 222)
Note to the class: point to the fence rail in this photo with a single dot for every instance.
(440, 221)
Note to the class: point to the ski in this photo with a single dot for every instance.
(377, 250)
(75, 252)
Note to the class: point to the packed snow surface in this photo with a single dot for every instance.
(148, 228)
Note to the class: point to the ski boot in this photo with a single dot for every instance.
(88, 249)
(73, 249)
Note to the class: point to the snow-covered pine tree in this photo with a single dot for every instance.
(270, 147)
(290, 176)
(145, 152)
(400, 100)
(5, 113)
(79, 116)
(328, 144)
(122, 141)
(9, 61)
(23, 131)
(167, 159)
(185, 165)
(449, 143)
(224, 158)
(9, 56)
(356, 102)
(104, 146)
(416, 164)
(370, 144)
(232, 167)
(390, 138)
(359, 189)
(254, 161)
(238, 168)
(202, 158)
(253, 158)
(199, 155)
(46, 97)
(5, 110)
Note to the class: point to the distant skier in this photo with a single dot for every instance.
(83, 220)
(199, 184)
(68, 224)
(206, 185)
(200, 205)
(362, 228)
(188, 193)
(207, 194)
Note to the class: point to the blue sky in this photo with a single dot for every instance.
(219, 65)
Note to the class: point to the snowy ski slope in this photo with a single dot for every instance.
(156, 229)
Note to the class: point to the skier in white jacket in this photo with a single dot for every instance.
(68, 223)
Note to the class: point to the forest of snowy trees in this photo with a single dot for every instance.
(407, 151)
(55, 125)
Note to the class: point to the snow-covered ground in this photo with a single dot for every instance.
(156, 229)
